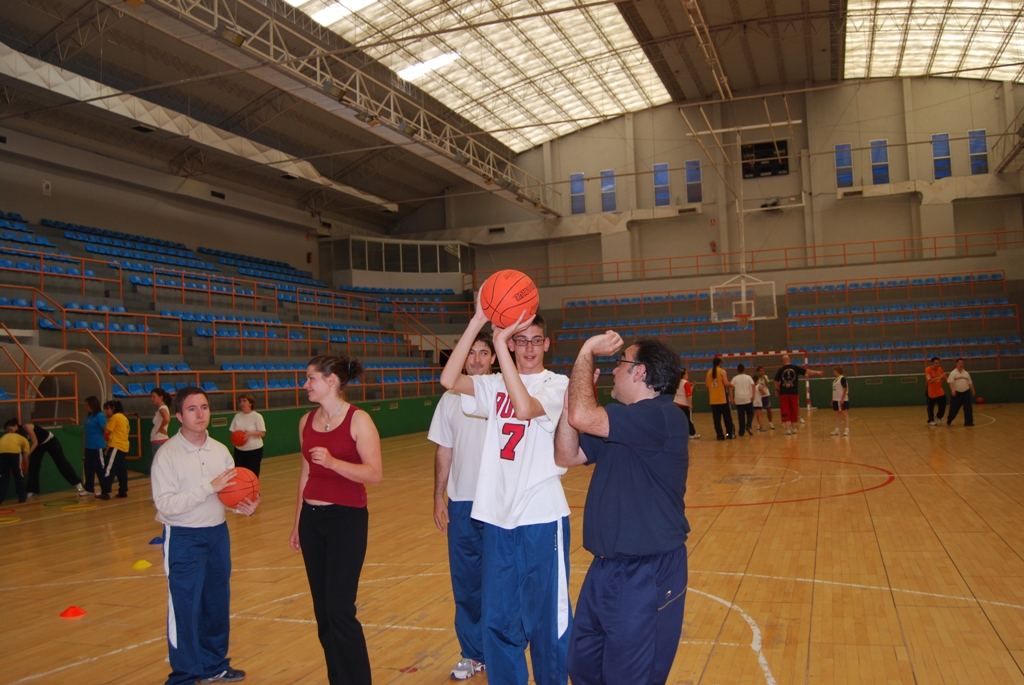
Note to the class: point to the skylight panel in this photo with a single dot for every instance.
(423, 68)
(566, 70)
(336, 11)
(962, 38)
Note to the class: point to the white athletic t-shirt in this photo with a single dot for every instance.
(758, 394)
(464, 434)
(249, 422)
(838, 386)
(743, 389)
(518, 484)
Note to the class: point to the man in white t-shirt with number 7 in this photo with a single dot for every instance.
(520, 501)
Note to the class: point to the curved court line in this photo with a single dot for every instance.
(86, 661)
(755, 642)
(888, 481)
(860, 586)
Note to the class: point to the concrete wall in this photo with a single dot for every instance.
(904, 113)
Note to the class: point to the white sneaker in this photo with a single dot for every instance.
(771, 425)
(846, 432)
(835, 432)
(788, 432)
(762, 429)
(695, 436)
(931, 423)
(31, 494)
(467, 668)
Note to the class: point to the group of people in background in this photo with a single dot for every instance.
(752, 396)
(961, 388)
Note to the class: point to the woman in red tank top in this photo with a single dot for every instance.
(340, 457)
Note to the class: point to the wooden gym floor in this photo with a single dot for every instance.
(892, 556)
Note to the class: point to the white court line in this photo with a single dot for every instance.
(86, 661)
(755, 642)
(862, 587)
(710, 642)
(311, 621)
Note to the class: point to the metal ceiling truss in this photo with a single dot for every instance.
(191, 162)
(707, 47)
(375, 103)
(837, 37)
(76, 31)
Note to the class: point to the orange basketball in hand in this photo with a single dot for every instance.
(238, 438)
(245, 485)
(506, 295)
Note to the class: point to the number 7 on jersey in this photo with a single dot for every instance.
(515, 431)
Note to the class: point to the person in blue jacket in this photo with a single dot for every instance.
(95, 443)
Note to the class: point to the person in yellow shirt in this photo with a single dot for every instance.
(14, 449)
(719, 395)
(112, 462)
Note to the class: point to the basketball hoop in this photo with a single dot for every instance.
(743, 319)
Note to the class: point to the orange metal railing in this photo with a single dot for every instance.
(82, 262)
(264, 297)
(772, 259)
(57, 316)
(26, 390)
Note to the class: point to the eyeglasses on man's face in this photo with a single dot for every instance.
(623, 360)
(523, 342)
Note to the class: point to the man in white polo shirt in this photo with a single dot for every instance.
(187, 473)
(962, 389)
(460, 443)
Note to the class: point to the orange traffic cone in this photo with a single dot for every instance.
(73, 612)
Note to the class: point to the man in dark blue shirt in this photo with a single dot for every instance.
(629, 615)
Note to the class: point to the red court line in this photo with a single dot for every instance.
(888, 481)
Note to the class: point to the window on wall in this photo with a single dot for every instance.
(410, 258)
(578, 193)
(359, 254)
(844, 165)
(607, 191)
(392, 257)
(374, 256)
(977, 145)
(879, 162)
(662, 194)
(694, 189)
(940, 156)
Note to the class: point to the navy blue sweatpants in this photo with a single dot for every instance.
(465, 559)
(526, 601)
(629, 617)
(197, 562)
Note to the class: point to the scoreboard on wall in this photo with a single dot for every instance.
(765, 159)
